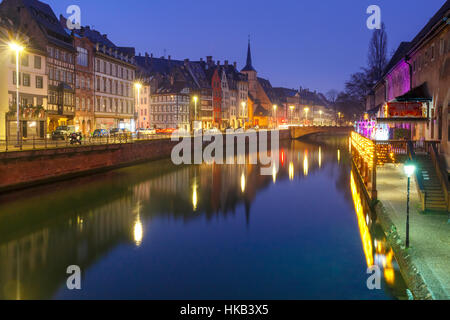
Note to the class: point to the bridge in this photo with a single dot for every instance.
(298, 132)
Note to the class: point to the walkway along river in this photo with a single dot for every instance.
(160, 231)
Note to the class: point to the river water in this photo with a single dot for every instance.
(160, 231)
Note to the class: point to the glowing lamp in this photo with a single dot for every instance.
(15, 47)
(409, 168)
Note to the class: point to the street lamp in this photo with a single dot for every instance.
(409, 168)
(195, 102)
(138, 87)
(17, 48)
(275, 122)
(306, 114)
(244, 113)
(292, 113)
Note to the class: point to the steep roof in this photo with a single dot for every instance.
(267, 87)
(399, 54)
(438, 17)
(44, 16)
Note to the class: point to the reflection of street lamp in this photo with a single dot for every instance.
(17, 48)
(195, 102)
(409, 168)
(275, 121)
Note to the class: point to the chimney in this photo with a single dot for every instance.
(235, 65)
(201, 59)
(186, 62)
(105, 36)
(218, 62)
(146, 59)
(226, 62)
(209, 60)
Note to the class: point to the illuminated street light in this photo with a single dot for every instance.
(195, 110)
(292, 108)
(275, 121)
(244, 111)
(409, 168)
(306, 114)
(138, 87)
(17, 48)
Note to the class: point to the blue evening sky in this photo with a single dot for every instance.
(314, 44)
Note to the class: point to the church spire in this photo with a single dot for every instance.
(248, 66)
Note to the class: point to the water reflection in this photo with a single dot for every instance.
(46, 229)
(376, 249)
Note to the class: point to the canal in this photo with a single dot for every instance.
(160, 231)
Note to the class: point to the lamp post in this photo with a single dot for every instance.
(306, 114)
(138, 87)
(195, 110)
(244, 113)
(275, 122)
(292, 113)
(409, 168)
(17, 49)
(339, 118)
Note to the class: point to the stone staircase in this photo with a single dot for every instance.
(435, 198)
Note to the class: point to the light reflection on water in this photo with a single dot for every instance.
(195, 232)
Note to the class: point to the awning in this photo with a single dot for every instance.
(401, 119)
(419, 93)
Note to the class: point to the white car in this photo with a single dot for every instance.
(145, 131)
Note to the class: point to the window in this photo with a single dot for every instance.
(24, 60)
(37, 62)
(39, 82)
(26, 80)
(82, 57)
(56, 54)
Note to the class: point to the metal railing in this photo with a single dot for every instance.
(38, 143)
(441, 171)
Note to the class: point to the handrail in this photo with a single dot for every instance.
(420, 185)
(440, 169)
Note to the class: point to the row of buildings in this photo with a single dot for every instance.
(413, 96)
(81, 78)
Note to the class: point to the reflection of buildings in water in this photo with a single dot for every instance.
(114, 210)
(33, 266)
(382, 256)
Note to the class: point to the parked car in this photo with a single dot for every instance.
(118, 132)
(147, 131)
(100, 133)
(63, 132)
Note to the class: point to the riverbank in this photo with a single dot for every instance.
(27, 168)
(424, 265)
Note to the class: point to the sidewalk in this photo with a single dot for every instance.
(429, 251)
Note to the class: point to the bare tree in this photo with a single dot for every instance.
(377, 57)
(332, 95)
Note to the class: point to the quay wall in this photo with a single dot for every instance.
(28, 168)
